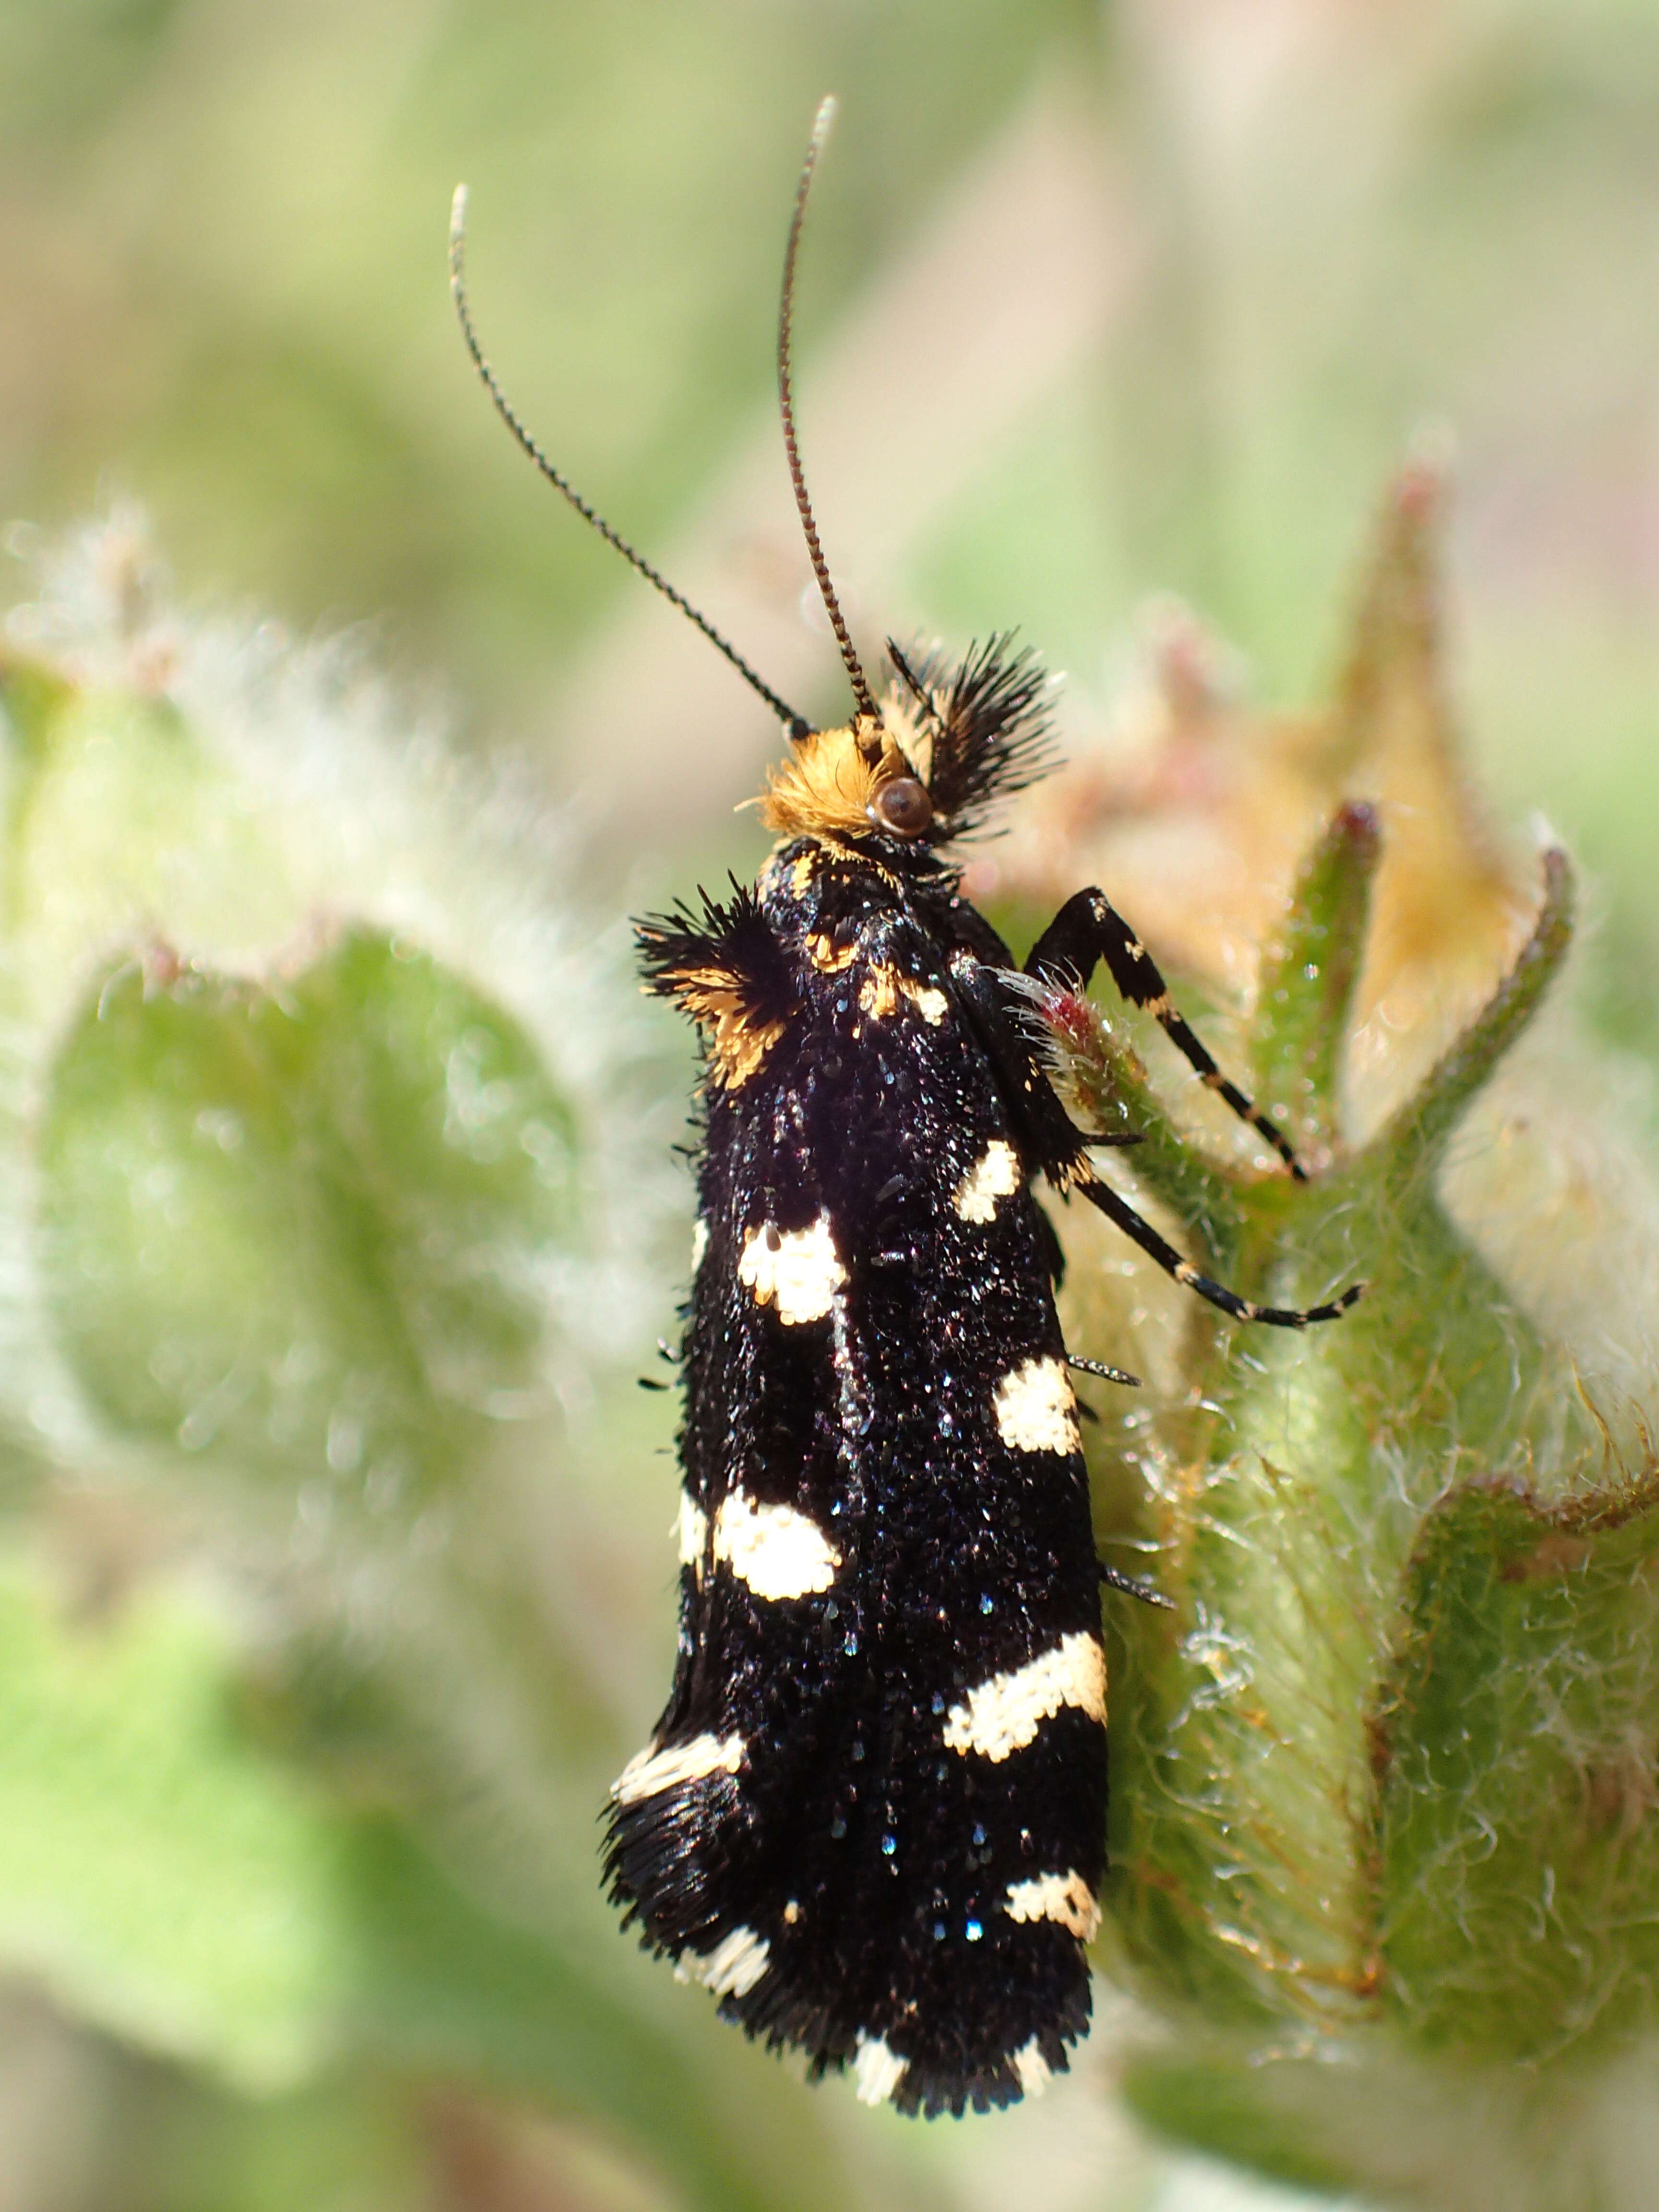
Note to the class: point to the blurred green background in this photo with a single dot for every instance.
(1097, 302)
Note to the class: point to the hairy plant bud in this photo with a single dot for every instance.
(1385, 1832)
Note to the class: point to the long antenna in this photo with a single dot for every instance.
(861, 692)
(796, 724)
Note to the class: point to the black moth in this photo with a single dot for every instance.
(872, 1818)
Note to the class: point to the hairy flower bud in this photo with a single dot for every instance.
(1384, 1830)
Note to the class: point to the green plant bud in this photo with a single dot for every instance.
(1385, 1832)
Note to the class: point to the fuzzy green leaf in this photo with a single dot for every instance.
(1516, 1844)
(301, 1228)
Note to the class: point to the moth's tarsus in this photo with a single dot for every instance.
(1106, 1373)
(1132, 1588)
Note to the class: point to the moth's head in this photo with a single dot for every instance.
(950, 739)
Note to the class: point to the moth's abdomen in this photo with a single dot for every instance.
(871, 1818)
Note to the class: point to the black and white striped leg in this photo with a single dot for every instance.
(1131, 1588)
(1088, 928)
(1061, 1150)
(1119, 1212)
(1099, 1367)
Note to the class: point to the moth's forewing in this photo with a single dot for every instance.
(872, 1815)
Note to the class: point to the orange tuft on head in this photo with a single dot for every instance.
(830, 782)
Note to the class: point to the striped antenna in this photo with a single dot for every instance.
(797, 725)
(861, 692)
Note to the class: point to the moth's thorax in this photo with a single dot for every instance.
(814, 883)
(810, 884)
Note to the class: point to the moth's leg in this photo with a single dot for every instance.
(1053, 1258)
(1048, 1139)
(1087, 928)
(1127, 1583)
(1122, 1214)
(1106, 1373)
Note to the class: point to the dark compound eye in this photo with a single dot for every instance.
(902, 806)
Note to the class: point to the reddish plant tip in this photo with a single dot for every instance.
(1358, 822)
(1068, 1012)
(1186, 666)
(1417, 491)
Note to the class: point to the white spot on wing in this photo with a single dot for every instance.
(877, 2070)
(1062, 1897)
(1003, 1716)
(1032, 2068)
(799, 1270)
(995, 1175)
(1035, 1410)
(653, 1770)
(778, 1551)
(692, 1529)
(931, 1004)
(735, 1965)
(699, 1244)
